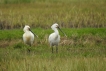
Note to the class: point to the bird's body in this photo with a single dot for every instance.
(54, 38)
(28, 36)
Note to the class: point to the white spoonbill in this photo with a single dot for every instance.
(54, 38)
(28, 36)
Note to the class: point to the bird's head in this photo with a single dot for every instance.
(26, 28)
(54, 26)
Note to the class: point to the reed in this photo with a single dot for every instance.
(71, 14)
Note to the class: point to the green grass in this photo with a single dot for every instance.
(70, 32)
(83, 50)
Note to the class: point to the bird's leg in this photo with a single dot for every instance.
(52, 49)
(29, 48)
(56, 49)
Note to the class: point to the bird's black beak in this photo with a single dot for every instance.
(62, 31)
(33, 33)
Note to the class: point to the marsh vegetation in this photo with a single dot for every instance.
(83, 21)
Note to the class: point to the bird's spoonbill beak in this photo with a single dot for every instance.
(62, 31)
(33, 33)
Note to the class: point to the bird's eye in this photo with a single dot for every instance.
(57, 26)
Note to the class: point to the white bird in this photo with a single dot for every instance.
(28, 36)
(54, 38)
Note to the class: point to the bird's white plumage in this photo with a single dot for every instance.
(28, 36)
(54, 38)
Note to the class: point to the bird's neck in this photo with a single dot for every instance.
(27, 31)
(56, 31)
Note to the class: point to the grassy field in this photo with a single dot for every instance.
(83, 50)
(83, 21)
(43, 13)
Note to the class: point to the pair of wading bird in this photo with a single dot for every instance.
(54, 38)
